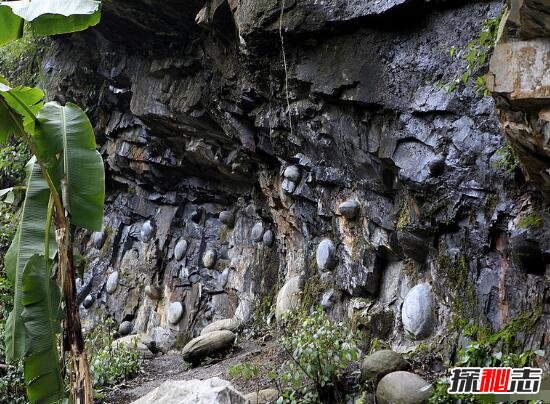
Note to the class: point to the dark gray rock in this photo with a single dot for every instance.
(257, 232)
(191, 125)
(196, 215)
(403, 388)
(125, 328)
(326, 255)
(180, 249)
(437, 166)
(418, 312)
(98, 239)
(413, 246)
(153, 292)
(380, 363)
(527, 254)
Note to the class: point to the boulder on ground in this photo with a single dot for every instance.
(207, 345)
(403, 388)
(380, 363)
(209, 391)
(137, 342)
(230, 324)
(265, 396)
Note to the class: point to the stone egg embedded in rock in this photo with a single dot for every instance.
(98, 239)
(325, 256)
(418, 311)
(112, 282)
(349, 209)
(180, 249)
(153, 292)
(288, 297)
(268, 238)
(88, 301)
(292, 173)
(147, 231)
(288, 186)
(125, 328)
(257, 232)
(175, 312)
(209, 258)
(227, 217)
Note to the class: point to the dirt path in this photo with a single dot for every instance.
(171, 366)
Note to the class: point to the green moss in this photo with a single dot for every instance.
(313, 290)
(459, 289)
(404, 216)
(263, 309)
(412, 269)
(530, 221)
(107, 243)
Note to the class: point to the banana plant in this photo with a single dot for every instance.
(65, 187)
(46, 17)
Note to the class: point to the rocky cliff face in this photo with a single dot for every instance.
(253, 147)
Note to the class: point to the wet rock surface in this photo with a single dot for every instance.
(198, 122)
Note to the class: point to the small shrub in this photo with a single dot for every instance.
(12, 385)
(244, 371)
(507, 161)
(320, 352)
(476, 55)
(110, 365)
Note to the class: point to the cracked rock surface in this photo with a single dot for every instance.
(204, 142)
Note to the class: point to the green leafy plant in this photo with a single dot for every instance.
(12, 385)
(475, 55)
(46, 17)
(110, 364)
(507, 161)
(319, 353)
(245, 371)
(65, 185)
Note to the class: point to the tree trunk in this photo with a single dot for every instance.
(81, 387)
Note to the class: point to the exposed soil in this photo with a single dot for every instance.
(267, 356)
